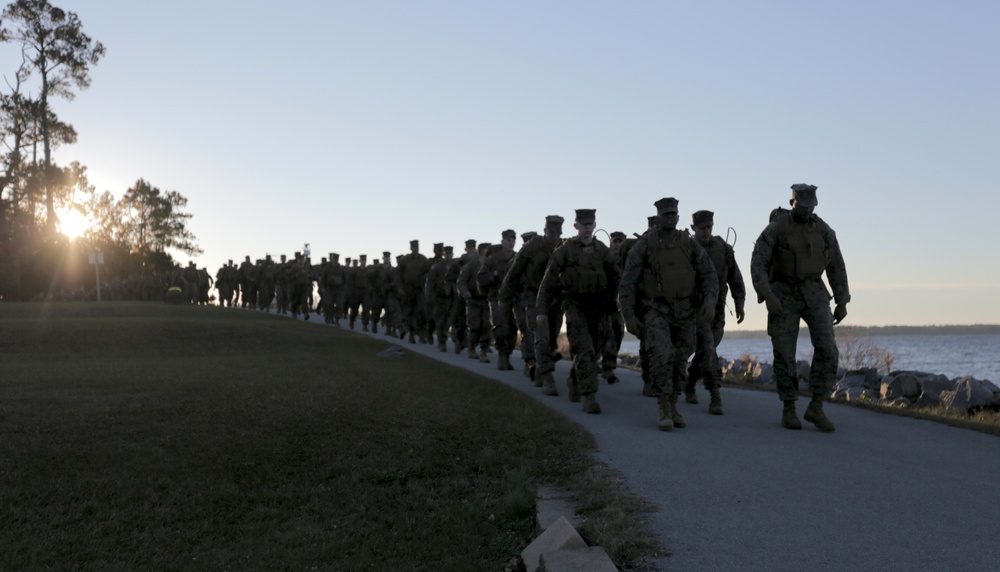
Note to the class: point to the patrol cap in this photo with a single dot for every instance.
(508, 234)
(414, 242)
(703, 218)
(617, 235)
(363, 257)
(386, 254)
(297, 254)
(449, 249)
(348, 259)
(805, 194)
(554, 222)
(438, 246)
(586, 215)
(334, 256)
(666, 205)
(230, 261)
(471, 243)
(652, 221)
(483, 247)
(526, 236)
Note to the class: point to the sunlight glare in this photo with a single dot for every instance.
(73, 223)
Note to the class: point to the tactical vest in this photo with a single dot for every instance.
(584, 273)
(716, 250)
(669, 273)
(799, 250)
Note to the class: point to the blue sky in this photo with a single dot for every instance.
(358, 126)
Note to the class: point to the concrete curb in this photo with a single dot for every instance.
(559, 547)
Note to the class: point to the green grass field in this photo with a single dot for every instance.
(153, 437)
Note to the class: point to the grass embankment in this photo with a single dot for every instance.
(143, 436)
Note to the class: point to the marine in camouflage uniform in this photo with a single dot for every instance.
(477, 309)
(538, 343)
(282, 284)
(248, 289)
(459, 324)
(490, 277)
(411, 275)
(265, 281)
(705, 364)
(583, 277)
(440, 295)
(225, 284)
(667, 277)
(189, 278)
(332, 281)
(299, 284)
(429, 308)
(360, 303)
(787, 266)
(380, 286)
(517, 306)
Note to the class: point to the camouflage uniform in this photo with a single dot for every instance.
(538, 344)
(265, 283)
(189, 276)
(582, 274)
(332, 282)
(410, 278)
(441, 295)
(788, 261)
(459, 323)
(381, 284)
(477, 311)
(248, 289)
(667, 275)
(282, 284)
(360, 302)
(490, 277)
(299, 284)
(705, 363)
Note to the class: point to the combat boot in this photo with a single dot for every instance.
(814, 414)
(574, 387)
(374, 327)
(472, 353)
(715, 406)
(789, 419)
(590, 404)
(647, 389)
(675, 415)
(484, 356)
(503, 362)
(442, 345)
(609, 375)
(459, 346)
(548, 384)
(352, 323)
(412, 339)
(665, 423)
(690, 391)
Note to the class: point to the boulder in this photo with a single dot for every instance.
(901, 385)
(970, 393)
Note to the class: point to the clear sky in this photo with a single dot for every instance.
(358, 126)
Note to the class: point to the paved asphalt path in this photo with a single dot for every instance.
(739, 492)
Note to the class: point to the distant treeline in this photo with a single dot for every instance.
(976, 329)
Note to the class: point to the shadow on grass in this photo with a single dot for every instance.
(142, 436)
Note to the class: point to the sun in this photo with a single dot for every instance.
(73, 223)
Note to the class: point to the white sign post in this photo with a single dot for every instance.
(97, 260)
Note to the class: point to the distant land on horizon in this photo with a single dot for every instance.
(945, 330)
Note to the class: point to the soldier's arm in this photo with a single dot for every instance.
(614, 281)
(548, 290)
(836, 271)
(463, 281)
(760, 263)
(628, 288)
(737, 287)
(512, 281)
(706, 276)
(431, 280)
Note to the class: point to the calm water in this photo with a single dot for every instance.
(951, 355)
